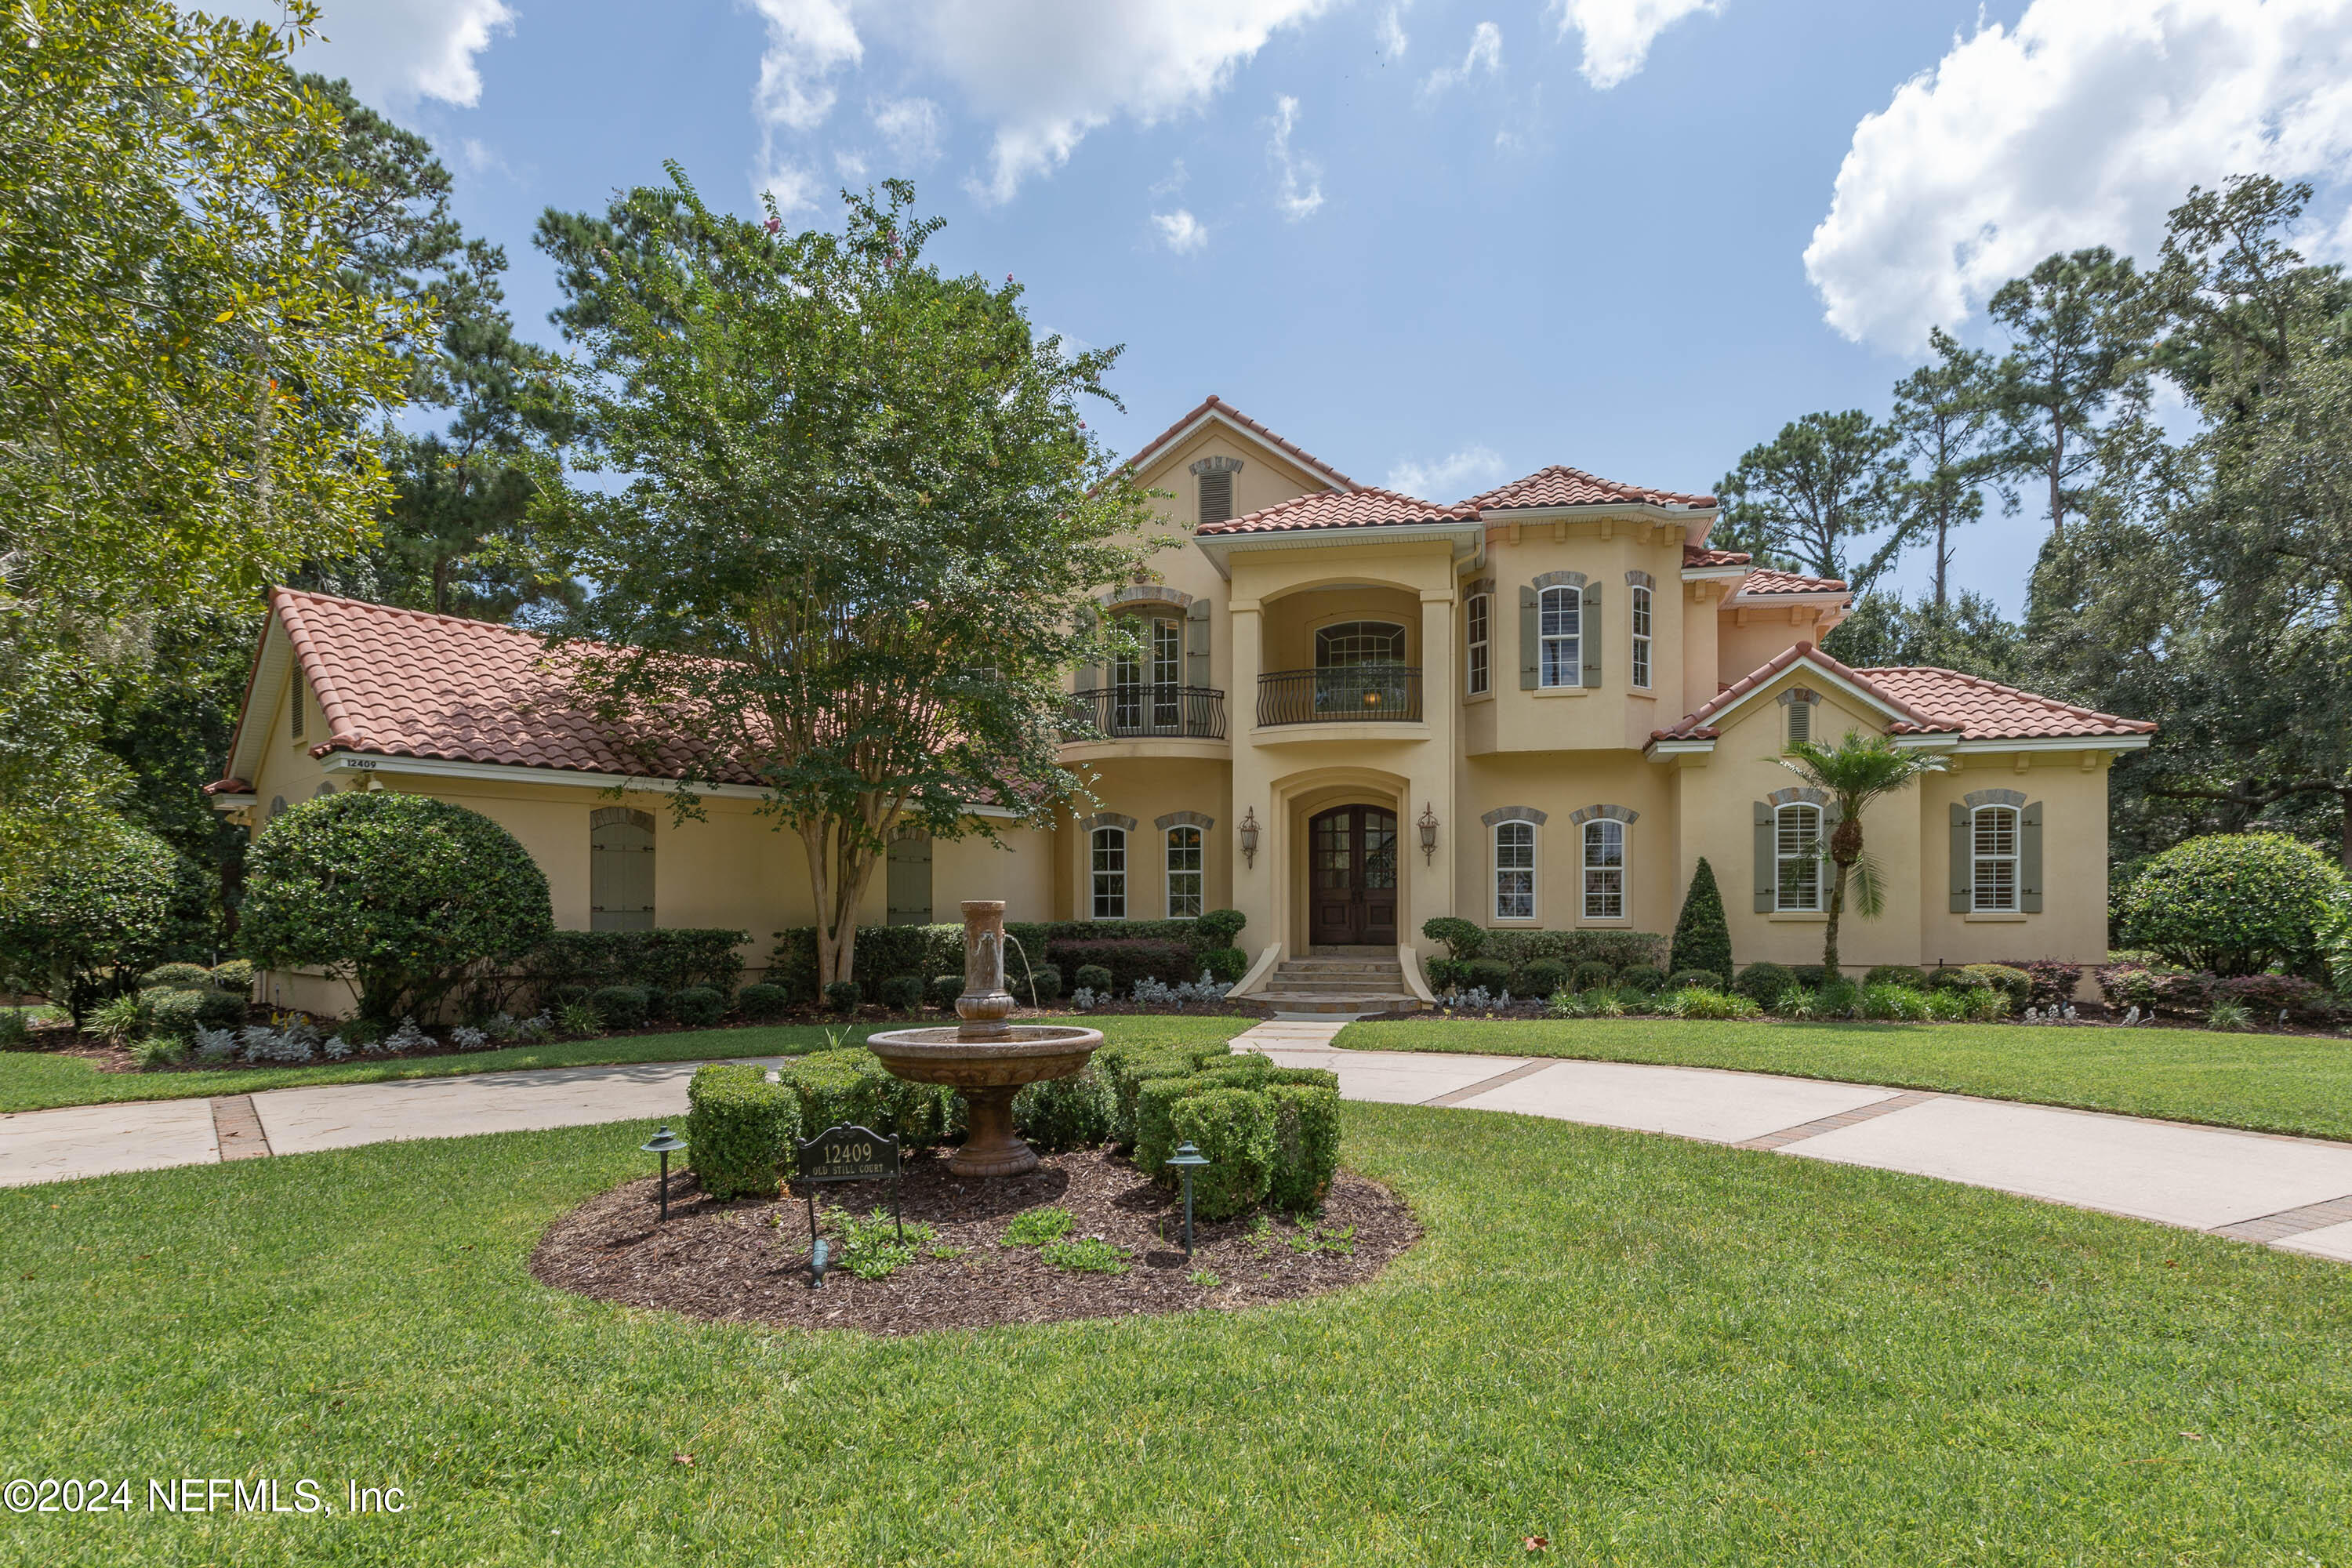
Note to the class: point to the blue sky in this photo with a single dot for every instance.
(1438, 245)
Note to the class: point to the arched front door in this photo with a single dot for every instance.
(1353, 894)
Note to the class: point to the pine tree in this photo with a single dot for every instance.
(1702, 936)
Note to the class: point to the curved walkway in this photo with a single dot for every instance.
(2290, 1192)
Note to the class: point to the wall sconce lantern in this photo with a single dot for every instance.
(1249, 836)
(1428, 826)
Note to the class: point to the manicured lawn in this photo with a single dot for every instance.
(1648, 1350)
(2274, 1083)
(36, 1080)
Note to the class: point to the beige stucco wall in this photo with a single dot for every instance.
(1147, 789)
(1748, 637)
(1559, 787)
(2072, 924)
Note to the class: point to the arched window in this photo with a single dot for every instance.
(1515, 871)
(1604, 869)
(620, 869)
(1798, 850)
(1145, 686)
(1110, 862)
(1993, 859)
(1476, 610)
(1640, 636)
(1184, 874)
(1559, 660)
(1352, 645)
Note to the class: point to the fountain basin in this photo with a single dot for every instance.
(988, 1073)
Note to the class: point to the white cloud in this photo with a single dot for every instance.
(1302, 177)
(2083, 126)
(849, 164)
(1462, 473)
(1391, 32)
(1618, 33)
(808, 40)
(912, 128)
(1043, 73)
(1485, 53)
(1181, 231)
(792, 187)
(1178, 176)
(395, 52)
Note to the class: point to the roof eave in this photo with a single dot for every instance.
(1217, 547)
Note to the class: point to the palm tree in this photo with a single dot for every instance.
(1855, 772)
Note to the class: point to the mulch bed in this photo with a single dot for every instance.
(748, 1261)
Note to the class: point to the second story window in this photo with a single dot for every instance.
(1641, 596)
(1560, 660)
(1475, 614)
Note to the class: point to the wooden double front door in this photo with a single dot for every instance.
(1353, 877)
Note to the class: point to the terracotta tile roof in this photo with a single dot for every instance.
(1700, 555)
(228, 786)
(1366, 506)
(1767, 580)
(1213, 404)
(1562, 486)
(1986, 710)
(403, 683)
(1925, 702)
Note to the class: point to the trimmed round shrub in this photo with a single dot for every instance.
(620, 1006)
(763, 1002)
(1955, 977)
(2014, 983)
(1587, 976)
(178, 977)
(1648, 977)
(1763, 983)
(1061, 1113)
(1218, 928)
(90, 902)
(1045, 979)
(1460, 938)
(1490, 974)
(1896, 974)
(1812, 976)
(944, 990)
(1541, 977)
(657, 999)
(1236, 1129)
(1225, 964)
(1306, 1144)
(403, 894)
(237, 974)
(180, 1010)
(903, 993)
(1094, 977)
(2234, 903)
(697, 1006)
(1697, 980)
(739, 1129)
(843, 995)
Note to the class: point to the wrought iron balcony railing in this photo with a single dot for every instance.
(1354, 694)
(1146, 712)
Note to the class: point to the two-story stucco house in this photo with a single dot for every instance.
(1353, 711)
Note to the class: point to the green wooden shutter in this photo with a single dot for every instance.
(1196, 643)
(2029, 860)
(1588, 634)
(1531, 627)
(1768, 874)
(1963, 871)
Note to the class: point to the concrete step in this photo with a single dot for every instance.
(1335, 966)
(1323, 1001)
(1329, 950)
(1341, 984)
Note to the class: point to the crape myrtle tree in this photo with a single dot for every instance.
(859, 520)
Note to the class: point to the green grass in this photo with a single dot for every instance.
(2272, 1083)
(1649, 1351)
(37, 1080)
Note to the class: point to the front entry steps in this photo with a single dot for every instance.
(1339, 982)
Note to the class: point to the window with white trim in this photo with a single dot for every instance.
(1559, 657)
(1184, 874)
(1641, 637)
(1476, 611)
(1604, 869)
(1110, 848)
(1515, 871)
(1796, 850)
(1992, 858)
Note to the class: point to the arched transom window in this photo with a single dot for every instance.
(1353, 644)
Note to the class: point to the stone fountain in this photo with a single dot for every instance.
(983, 1058)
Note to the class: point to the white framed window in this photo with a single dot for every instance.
(1184, 874)
(1476, 613)
(1796, 850)
(1515, 871)
(1604, 869)
(1560, 656)
(1992, 858)
(1109, 855)
(1641, 637)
